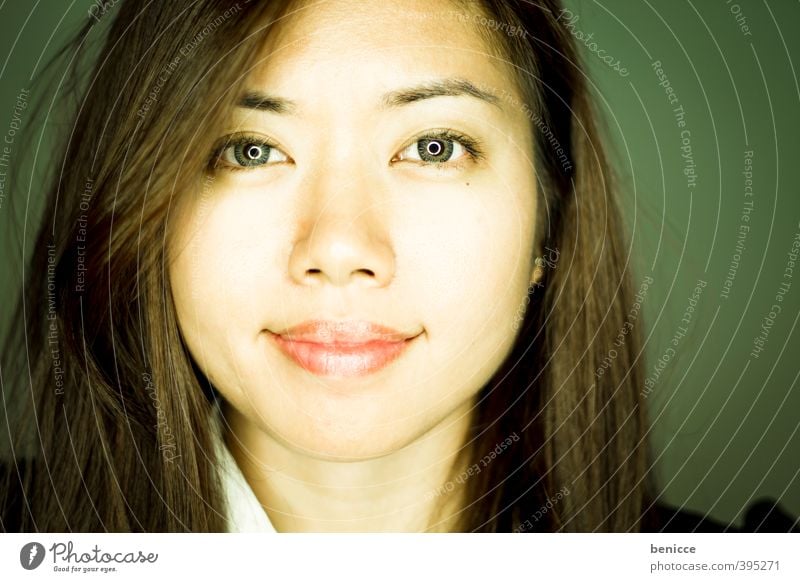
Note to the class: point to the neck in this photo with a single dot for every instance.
(408, 490)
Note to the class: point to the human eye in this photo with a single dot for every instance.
(441, 147)
(243, 151)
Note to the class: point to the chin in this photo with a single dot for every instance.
(338, 440)
(347, 448)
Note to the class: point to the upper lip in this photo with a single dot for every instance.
(343, 332)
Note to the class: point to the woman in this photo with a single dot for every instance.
(359, 265)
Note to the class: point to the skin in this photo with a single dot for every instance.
(343, 225)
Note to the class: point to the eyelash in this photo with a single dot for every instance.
(236, 139)
(471, 146)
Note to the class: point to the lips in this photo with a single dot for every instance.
(342, 348)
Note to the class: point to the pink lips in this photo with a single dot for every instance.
(342, 348)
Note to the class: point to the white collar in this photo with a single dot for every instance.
(244, 512)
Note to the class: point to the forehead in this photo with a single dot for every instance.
(367, 47)
(384, 23)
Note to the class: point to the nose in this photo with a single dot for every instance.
(341, 239)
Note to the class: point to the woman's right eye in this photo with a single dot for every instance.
(247, 152)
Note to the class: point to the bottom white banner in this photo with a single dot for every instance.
(398, 557)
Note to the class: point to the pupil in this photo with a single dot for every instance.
(434, 148)
(253, 152)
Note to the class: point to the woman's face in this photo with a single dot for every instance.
(377, 184)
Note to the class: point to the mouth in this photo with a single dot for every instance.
(344, 349)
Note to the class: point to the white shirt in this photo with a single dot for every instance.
(245, 513)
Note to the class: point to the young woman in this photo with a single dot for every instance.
(325, 267)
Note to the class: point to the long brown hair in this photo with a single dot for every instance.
(110, 415)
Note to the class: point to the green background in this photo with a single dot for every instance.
(725, 423)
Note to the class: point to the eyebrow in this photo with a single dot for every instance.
(263, 102)
(444, 88)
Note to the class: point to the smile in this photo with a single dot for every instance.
(342, 349)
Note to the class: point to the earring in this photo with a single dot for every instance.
(538, 272)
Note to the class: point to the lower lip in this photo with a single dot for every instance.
(341, 360)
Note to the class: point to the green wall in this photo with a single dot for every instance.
(717, 206)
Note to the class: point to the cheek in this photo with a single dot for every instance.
(471, 261)
(223, 256)
(220, 260)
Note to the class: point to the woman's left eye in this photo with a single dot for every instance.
(247, 153)
(440, 149)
